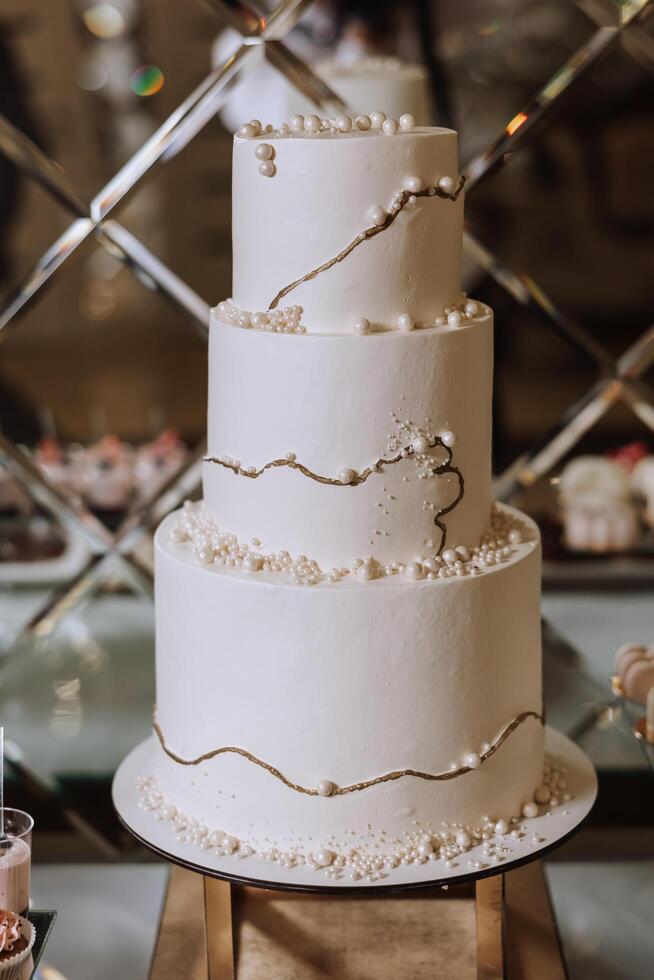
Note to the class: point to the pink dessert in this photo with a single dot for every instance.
(15, 862)
(157, 461)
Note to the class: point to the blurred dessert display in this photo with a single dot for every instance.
(109, 476)
(634, 671)
(106, 473)
(596, 507)
(156, 462)
(596, 515)
(642, 483)
(52, 459)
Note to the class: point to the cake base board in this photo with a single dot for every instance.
(552, 828)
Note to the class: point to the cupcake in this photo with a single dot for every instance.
(16, 941)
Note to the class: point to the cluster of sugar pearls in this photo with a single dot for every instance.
(380, 855)
(455, 315)
(286, 320)
(213, 546)
(496, 547)
(313, 125)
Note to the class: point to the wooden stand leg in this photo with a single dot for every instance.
(489, 907)
(218, 924)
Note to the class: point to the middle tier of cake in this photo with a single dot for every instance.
(341, 447)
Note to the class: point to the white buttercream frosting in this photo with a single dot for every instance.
(335, 402)
(344, 683)
(393, 711)
(320, 199)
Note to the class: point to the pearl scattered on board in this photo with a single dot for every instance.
(369, 857)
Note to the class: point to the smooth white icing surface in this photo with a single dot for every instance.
(339, 680)
(329, 401)
(319, 200)
(344, 683)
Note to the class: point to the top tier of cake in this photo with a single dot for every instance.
(329, 188)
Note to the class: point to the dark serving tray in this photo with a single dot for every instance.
(43, 921)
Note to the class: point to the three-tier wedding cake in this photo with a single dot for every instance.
(347, 628)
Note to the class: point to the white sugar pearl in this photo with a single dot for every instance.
(377, 214)
(448, 438)
(472, 760)
(259, 320)
(229, 843)
(247, 131)
(296, 123)
(515, 537)
(420, 444)
(407, 121)
(425, 848)
(346, 475)
(413, 184)
(530, 810)
(256, 126)
(323, 857)
(446, 185)
(377, 119)
(462, 552)
(449, 556)
(312, 124)
(325, 787)
(471, 308)
(406, 322)
(501, 827)
(463, 840)
(264, 151)
(542, 794)
(267, 168)
(363, 123)
(413, 570)
(362, 325)
(454, 319)
(252, 563)
(390, 127)
(344, 124)
(431, 565)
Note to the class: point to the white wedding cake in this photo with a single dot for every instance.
(348, 628)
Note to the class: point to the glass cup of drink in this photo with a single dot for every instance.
(15, 860)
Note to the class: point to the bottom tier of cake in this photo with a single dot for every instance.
(353, 721)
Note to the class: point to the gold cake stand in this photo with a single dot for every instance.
(231, 919)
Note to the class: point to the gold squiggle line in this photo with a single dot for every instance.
(354, 787)
(361, 477)
(329, 480)
(369, 233)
